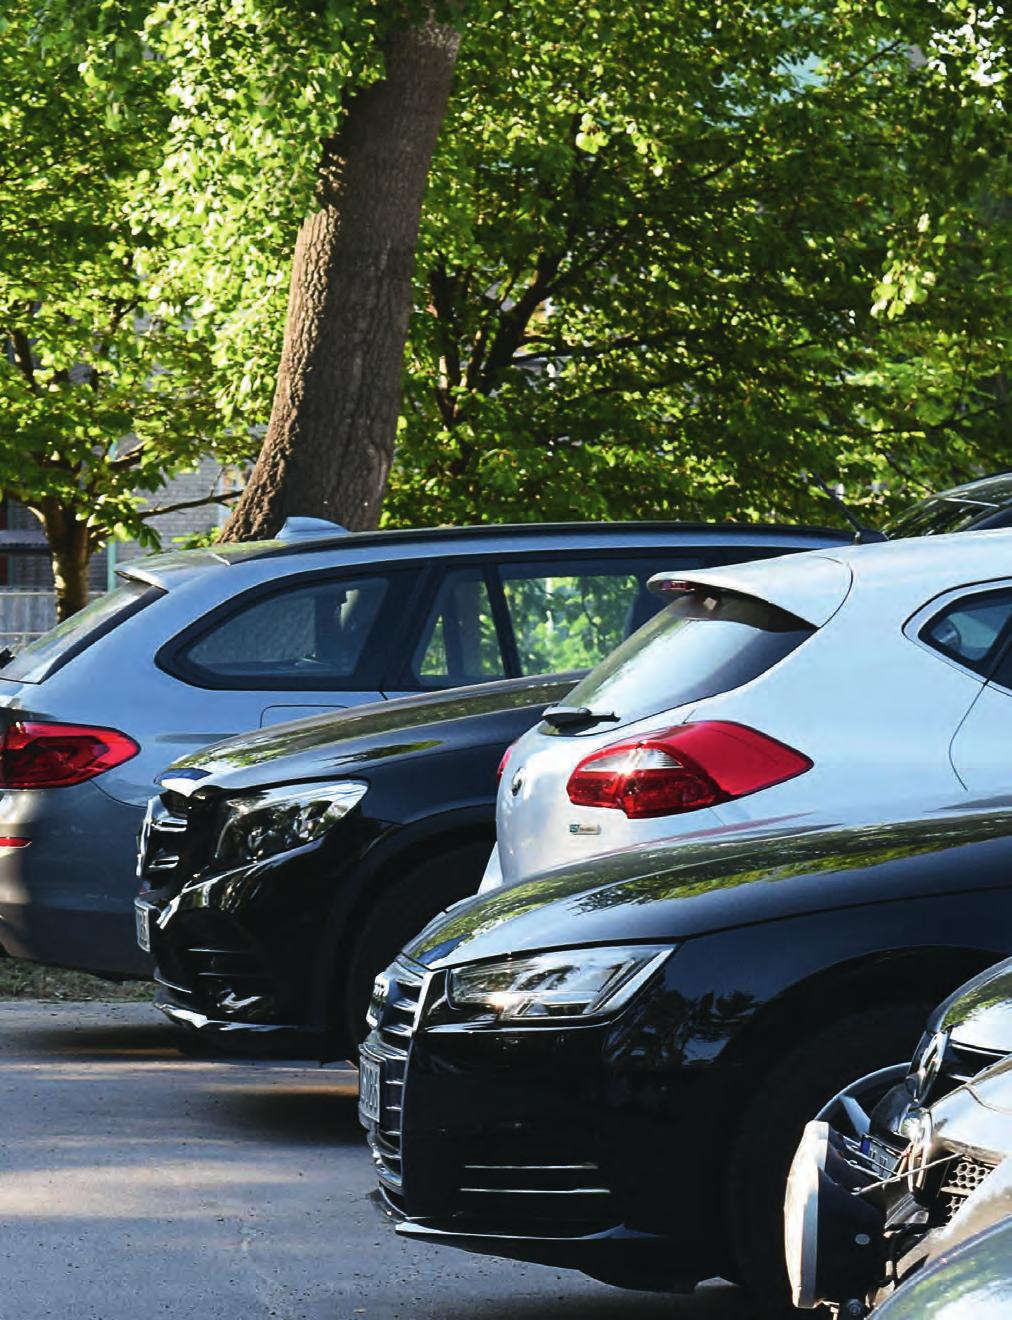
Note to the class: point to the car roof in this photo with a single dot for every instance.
(813, 585)
(487, 538)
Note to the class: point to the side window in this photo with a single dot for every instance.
(570, 614)
(972, 629)
(313, 631)
(459, 643)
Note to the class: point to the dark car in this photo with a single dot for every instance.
(282, 870)
(861, 1229)
(201, 645)
(984, 503)
(608, 1067)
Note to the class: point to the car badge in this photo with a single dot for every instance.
(929, 1065)
(517, 783)
(576, 828)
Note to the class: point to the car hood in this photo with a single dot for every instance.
(979, 1013)
(318, 747)
(677, 890)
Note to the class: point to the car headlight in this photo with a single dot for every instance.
(277, 820)
(574, 983)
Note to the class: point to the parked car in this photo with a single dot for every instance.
(973, 506)
(868, 1128)
(608, 1066)
(196, 646)
(284, 869)
(861, 1229)
(807, 689)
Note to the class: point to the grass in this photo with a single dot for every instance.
(24, 980)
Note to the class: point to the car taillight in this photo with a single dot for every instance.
(683, 769)
(34, 754)
(504, 762)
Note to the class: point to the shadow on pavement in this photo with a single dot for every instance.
(711, 1302)
(321, 1113)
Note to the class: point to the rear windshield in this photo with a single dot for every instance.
(41, 657)
(934, 516)
(705, 642)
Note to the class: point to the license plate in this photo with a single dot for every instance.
(142, 914)
(368, 1090)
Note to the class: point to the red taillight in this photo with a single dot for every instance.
(13, 841)
(42, 755)
(683, 769)
(504, 763)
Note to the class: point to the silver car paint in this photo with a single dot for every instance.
(875, 710)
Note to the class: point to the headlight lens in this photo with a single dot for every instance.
(575, 983)
(280, 819)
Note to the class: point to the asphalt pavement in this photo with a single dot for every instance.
(137, 1183)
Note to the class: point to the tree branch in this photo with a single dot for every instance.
(189, 504)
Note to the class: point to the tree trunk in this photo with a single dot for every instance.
(330, 440)
(70, 547)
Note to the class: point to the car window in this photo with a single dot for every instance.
(459, 643)
(314, 631)
(43, 656)
(971, 629)
(935, 516)
(569, 615)
(705, 642)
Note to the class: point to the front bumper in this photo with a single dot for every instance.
(564, 1146)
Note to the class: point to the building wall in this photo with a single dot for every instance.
(27, 605)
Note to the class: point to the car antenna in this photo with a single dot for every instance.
(862, 535)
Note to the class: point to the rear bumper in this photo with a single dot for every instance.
(66, 900)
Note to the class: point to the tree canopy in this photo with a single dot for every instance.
(672, 256)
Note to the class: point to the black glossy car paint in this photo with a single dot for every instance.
(430, 763)
(778, 937)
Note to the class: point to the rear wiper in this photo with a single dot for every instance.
(563, 717)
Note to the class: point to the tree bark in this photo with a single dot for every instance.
(70, 546)
(330, 440)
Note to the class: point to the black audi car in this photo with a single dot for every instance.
(283, 869)
(609, 1067)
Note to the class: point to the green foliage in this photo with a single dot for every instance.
(104, 389)
(673, 256)
(676, 256)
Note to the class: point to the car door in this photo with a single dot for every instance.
(973, 630)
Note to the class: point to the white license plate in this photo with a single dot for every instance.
(368, 1090)
(143, 915)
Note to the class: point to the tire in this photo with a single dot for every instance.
(767, 1137)
(400, 912)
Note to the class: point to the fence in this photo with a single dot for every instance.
(24, 615)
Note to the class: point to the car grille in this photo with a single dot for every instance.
(392, 1017)
(522, 1179)
(961, 1178)
(210, 965)
(175, 841)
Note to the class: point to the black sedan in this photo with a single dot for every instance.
(609, 1067)
(283, 869)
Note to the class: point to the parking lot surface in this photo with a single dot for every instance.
(135, 1182)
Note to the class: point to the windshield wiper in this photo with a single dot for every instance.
(6, 656)
(564, 717)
